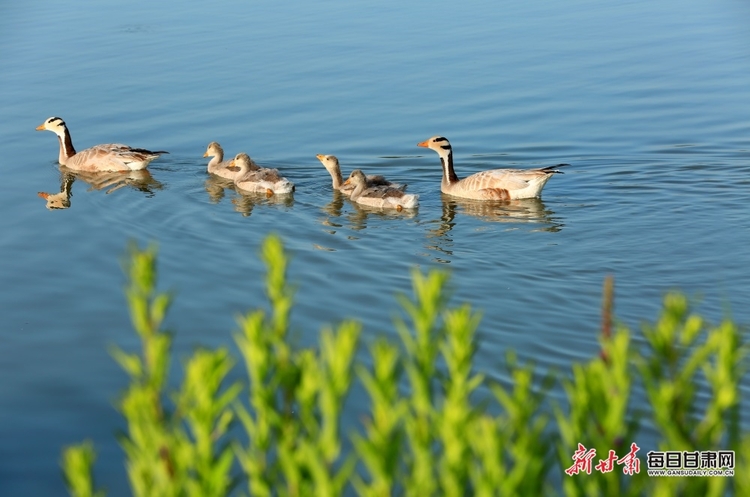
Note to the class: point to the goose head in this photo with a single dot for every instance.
(356, 178)
(214, 150)
(54, 124)
(442, 146)
(330, 162)
(243, 161)
(56, 200)
(439, 144)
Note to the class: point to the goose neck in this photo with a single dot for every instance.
(66, 146)
(449, 175)
(217, 158)
(336, 177)
(357, 192)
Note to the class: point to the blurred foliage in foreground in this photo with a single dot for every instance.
(424, 431)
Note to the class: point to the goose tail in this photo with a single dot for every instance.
(553, 169)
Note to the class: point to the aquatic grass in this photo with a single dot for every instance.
(681, 346)
(172, 447)
(434, 425)
(598, 414)
(77, 464)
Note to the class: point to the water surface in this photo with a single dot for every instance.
(647, 101)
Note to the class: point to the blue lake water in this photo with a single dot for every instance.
(648, 101)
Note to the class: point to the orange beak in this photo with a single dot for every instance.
(348, 181)
(231, 163)
(44, 195)
(40, 127)
(423, 144)
(205, 154)
(319, 156)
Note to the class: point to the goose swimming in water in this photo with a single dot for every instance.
(105, 157)
(331, 163)
(252, 178)
(384, 197)
(217, 165)
(495, 184)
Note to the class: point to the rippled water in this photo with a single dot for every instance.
(648, 101)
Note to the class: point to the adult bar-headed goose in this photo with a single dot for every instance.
(106, 157)
(217, 165)
(496, 184)
(252, 178)
(384, 197)
(331, 163)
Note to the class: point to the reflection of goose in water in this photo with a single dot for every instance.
(362, 213)
(496, 184)
(336, 218)
(335, 206)
(529, 210)
(105, 157)
(252, 178)
(216, 187)
(245, 202)
(331, 163)
(443, 242)
(333, 209)
(217, 165)
(357, 218)
(60, 200)
(112, 181)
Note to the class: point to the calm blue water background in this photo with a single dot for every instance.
(649, 102)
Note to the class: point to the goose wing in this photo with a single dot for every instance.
(504, 179)
(112, 157)
(382, 191)
(261, 174)
(379, 180)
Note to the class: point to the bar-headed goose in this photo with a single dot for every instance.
(105, 157)
(384, 197)
(496, 184)
(252, 178)
(331, 163)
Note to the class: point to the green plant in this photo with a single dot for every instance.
(295, 397)
(77, 463)
(680, 345)
(175, 448)
(597, 415)
(434, 425)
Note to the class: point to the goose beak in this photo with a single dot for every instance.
(348, 181)
(319, 156)
(40, 127)
(423, 144)
(205, 154)
(44, 195)
(231, 163)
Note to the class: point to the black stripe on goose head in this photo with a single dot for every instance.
(446, 144)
